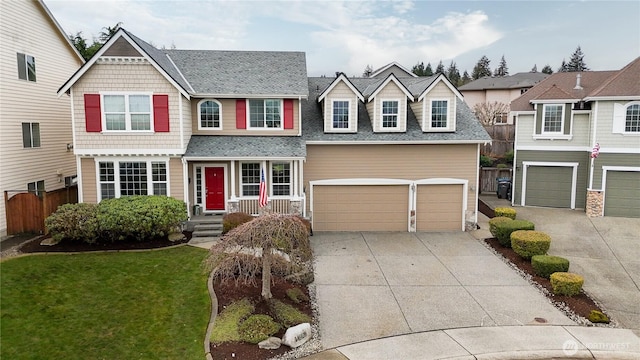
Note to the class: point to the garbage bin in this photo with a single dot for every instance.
(197, 210)
(503, 190)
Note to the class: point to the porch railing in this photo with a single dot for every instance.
(250, 206)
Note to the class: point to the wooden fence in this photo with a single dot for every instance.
(502, 137)
(26, 211)
(488, 177)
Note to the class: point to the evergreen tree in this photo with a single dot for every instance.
(563, 67)
(418, 69)
(440, 68)
(453, 74)
(87, 51)
(368, 71)
(428, 71)
(534, 69)
(547, 69)
(482, 68)
(465, 78)
(577, 62)
(502, 69)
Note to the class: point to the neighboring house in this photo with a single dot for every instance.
(501, 89)
(35, 134)
(382, 153)
(559, 123)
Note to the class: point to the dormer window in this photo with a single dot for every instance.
(390, 113)
(439, 113)
(553, 118)
(210, 115)
(265, 114)
(340, 114)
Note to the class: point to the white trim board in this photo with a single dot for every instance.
(574, 178)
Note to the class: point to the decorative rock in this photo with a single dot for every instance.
(271, 343)
(177, 236)
(297, 335)
(49, 242)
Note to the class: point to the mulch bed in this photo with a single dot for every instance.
(34, 246)
(580, 304)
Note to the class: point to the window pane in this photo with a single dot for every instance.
(281, 178)
(139, 103)
(272, 110)
(553, 118)
(160, 189)
(256, 113)
(439, 113)
(22, 67)
(250, 179)
(26, 135)
(159, 171)
(114, 103)
(389, 114)
(198, 185)
(340, 114)
(140, 122)
(31, 68)
(31, 187)
(35, 134)
(107, 191)
(632, 123)
(106, 171)
(115, 122)
(133, 178)
(210, 114)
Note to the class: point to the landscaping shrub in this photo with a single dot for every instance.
(505, 212)
(508, 156)
(140, 217)
(485, 161)
(596, 316)
(566, 283)
(502, 166)
(306, 223)
(76, 222)
(233, 220)
(545, 265)
(493, 224)
(286, 314)
(503, 230)
(257, 328)
(297, 295)
(528, 243)
(226, 325)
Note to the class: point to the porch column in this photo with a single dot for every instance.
(233, 204)
(185, 185)
(295, 179)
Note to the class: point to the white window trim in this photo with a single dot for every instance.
(574, 178)
(116, 168)
(623, 120)
(562, 120)
(203, 196)
(348, 128)
(200, 127)
(127, 117)
(271, 164)
(248, 116)
(427, 106)
(242, 183)
(398, 120)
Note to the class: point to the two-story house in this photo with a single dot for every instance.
(578, 142)
(381, 153)
(35, 134)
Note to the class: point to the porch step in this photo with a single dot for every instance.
(206, 226)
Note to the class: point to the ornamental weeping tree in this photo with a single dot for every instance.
(271, 243)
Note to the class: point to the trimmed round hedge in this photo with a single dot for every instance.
(566, 283)
(504, 228)
(495, 222)
(528, 243)
(505, 212)
(545, 265)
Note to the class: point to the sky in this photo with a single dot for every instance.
(347, 36)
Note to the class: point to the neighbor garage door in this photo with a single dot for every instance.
(439, 207)
(360, 207)
(549, 186)
(622, 194)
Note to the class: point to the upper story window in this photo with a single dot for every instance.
(340, 114)
(127, 112)
(553, 118)
(124, 178)
(26, 67)
(501, 118)
(632, 118)
(390, 113)
(265, 114)
(281, 179)
(30, 135)
(250, 179)
(439, 113)
(36, 187)
(210, 114)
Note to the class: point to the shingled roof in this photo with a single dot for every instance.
(516, 81)
(625, 83)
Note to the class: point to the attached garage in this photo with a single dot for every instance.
(549, 184)
(361, 207)
(622, 194)
(439, 207)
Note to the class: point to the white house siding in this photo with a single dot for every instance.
(142, 77)
(26, 28)
(390, 92)
(580, 131)
(341, 92)
(229, 120)
(604, 130)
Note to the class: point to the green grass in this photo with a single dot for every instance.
(135, 305)
(225, 328)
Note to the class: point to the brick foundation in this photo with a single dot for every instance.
(595, 202)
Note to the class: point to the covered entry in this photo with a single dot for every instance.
(549, 184)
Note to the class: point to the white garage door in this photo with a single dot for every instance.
(360, 207)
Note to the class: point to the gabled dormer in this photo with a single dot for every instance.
(435, 107)
(387, 105)
(340, 102)
(553, 115)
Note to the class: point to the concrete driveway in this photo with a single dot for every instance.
(375, 285)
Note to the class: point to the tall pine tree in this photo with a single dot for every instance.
(577, 61)
(547, 69)
(440, 68)
(482, 68)
(453, 74)
(465, 78)
(428, 71)
(502, 69)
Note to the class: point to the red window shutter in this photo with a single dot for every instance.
(161, 113)
(288, 113)
(241, 114)
(92, 112)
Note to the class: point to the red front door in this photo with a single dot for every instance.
(214, 188)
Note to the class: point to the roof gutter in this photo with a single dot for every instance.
(397, 142)
(250, 96)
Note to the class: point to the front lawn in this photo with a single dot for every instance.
(134, 305)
